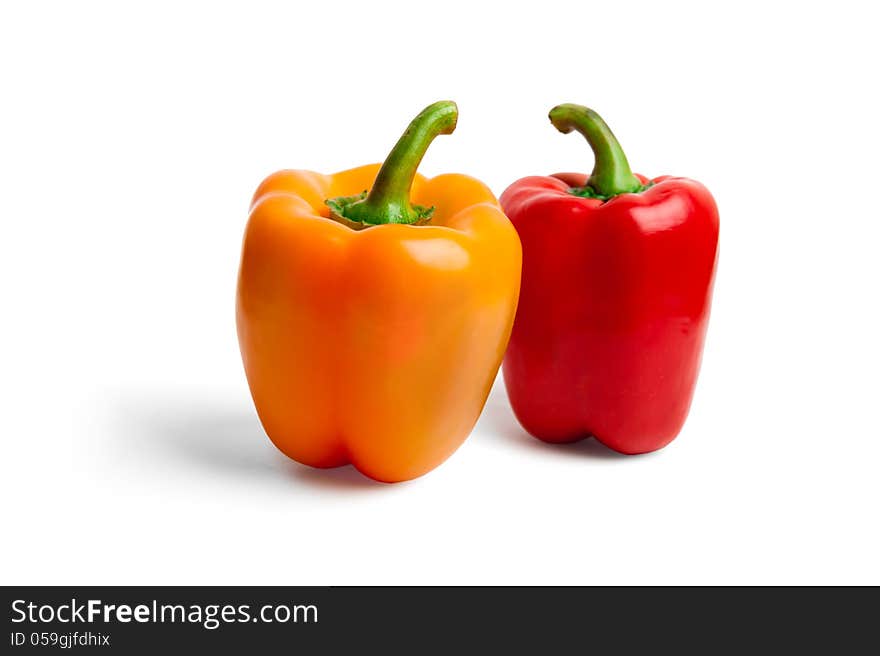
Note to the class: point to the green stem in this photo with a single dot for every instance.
(611, 173)
(388, 200)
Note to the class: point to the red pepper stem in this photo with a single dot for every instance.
(611, 173)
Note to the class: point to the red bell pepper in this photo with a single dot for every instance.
(616, 290)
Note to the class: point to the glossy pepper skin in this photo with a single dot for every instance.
(369, 342)
(616, 290)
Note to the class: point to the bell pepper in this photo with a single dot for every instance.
(372, 324)
(616, 291)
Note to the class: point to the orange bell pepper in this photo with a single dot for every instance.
(371, 329)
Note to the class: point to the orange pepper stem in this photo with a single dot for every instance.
(388, 200)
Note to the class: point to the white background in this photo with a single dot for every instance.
(131, 140)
